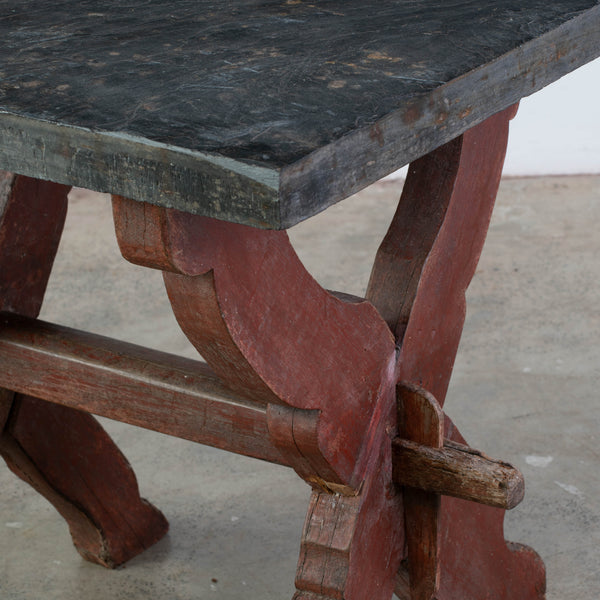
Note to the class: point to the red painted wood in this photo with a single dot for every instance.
(437, 315)
(475, 561)
(412, 234)
(421, 420)
(268, 329)
(75, 459)
(418, 282)
(324, 367)
(32, 214)
(135, 385)
(63, 453)
(321, 368)
(352, 546)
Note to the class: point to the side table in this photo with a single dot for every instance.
(216, 129)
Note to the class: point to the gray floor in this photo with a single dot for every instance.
(525, 388)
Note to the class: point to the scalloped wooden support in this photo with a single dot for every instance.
(271, 332)
(323, 367)
(418, 283)
(429, 466)
(41, 442)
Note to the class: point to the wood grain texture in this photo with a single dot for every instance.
(418, 283)
(420, 420)
(398, 266)
(352, 546)
(32, 215)
(269, 330)
(132, 384)
(265, 112)
(323, 367)
(430, 339)
(67, 457)
(63, 453)
(458, 471)
(475, 561)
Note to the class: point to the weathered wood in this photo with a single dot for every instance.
(429, 339)
(352, 546)
(398, 266)
(458, 471)
(81, 480)
(475, 561)
(322, 366)
(418, 282)
(128, 383)
(32, 215)
(420, 421)
(269, 330)
(40, 442)
(265, 112)
(85, 534)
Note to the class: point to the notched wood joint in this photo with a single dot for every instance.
(332, 488)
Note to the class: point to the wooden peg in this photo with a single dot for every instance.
(458, 471)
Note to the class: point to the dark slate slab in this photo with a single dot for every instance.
(263, 111)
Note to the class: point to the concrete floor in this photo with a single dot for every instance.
(525, 388)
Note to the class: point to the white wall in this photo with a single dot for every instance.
(557, 130)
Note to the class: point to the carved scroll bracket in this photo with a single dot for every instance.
(272, 333)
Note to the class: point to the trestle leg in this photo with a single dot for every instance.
(62, 453)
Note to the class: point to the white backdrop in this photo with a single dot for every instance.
(557, 130)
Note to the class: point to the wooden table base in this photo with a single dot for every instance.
(62, 453)
(296, 375)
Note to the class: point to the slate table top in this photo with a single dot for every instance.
(264, 112)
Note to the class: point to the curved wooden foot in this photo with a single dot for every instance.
(63, 453)
(68, 458)
(352, 546)
(476, 562)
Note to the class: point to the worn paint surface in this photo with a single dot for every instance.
(62, 453)
(308, 102)
(260, 80)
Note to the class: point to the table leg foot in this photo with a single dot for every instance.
(352, 545)
(418, 284)
(63, 453)
(476, 561)
(67, 457)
